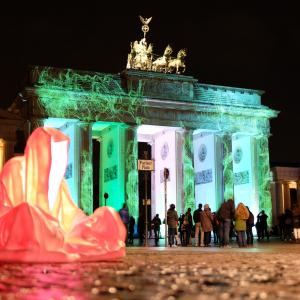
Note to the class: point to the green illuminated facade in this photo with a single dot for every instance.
(109, 110)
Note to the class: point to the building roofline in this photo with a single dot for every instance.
(284, 165)
(197, 83)
(230, 88)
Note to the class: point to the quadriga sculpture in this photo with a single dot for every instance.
(161, 64)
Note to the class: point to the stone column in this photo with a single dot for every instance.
(274, 197)
(279, 196)
(9, 149)
(264, 176)
(298, 193)
(188, 192)
(227, 167)
(286, 196)
(85, 167)
(179, 143)
(131, 171)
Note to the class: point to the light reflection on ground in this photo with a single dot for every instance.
(267, 271)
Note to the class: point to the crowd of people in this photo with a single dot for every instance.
(289, 225)
(226, 223)
(203, 227)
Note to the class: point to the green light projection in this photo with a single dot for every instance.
(87, 97)
(264, 177)
(97, 97)
(188, 171)
(132, 172)
(229, 120)
(100, 97)
(227, 168)
(111, 163)
(86, 183)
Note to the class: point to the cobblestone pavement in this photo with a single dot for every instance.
(266, 271)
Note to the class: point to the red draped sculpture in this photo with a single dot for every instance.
(39, 222)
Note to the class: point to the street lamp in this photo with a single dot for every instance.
(166, 177)
(105, 198)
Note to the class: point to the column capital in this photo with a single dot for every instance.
(84, 124)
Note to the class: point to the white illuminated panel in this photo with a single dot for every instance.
(244, 185)
(205, 169)
(67, 126)
(165, 158)
(59, 158)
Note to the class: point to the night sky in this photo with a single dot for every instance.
(254, 47)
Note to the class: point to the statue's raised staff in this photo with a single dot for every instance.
(141, 55)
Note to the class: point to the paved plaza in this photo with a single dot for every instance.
(269, 270)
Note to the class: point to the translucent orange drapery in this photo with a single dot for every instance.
(38, 219)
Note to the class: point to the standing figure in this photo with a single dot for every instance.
(225, 215)
(131, 229)
(188, 222)
(288, 225)
(216, 225)
(296, 223)
(172, 220)
(124, 214)
(206, 218)
(199, 237)
(263, 225)
(181, 229)
(141, 228)
(156, 226)
(249, 225)
(241, 215)
(281, 226)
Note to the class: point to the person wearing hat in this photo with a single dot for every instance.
(172, 221)
(206, 219)
(241, 216)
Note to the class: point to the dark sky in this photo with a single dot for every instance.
(255, 46)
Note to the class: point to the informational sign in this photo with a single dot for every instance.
(145, 165)
(163, 175)
(148, 202)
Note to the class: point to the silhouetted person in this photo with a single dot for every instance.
(181, 229)
(225, 215)
(216, 224)
(131, 229)
(206, 219)
(141, 228)
(249, 225)
(281, 226)
(156, 226)
(199, 236)
(124, 214)
(188, 222)
(288, 225)
(172, 221)
(296, 223)
(263, 225)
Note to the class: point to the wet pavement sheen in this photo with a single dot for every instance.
(266, 271)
